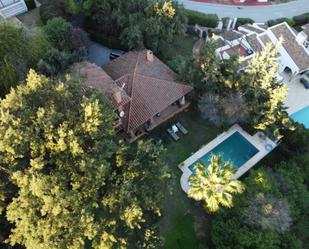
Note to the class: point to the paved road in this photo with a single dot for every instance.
(257, 13)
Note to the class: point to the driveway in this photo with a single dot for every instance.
(98, 54)
(257, 13)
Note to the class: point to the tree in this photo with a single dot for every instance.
(209, 106)
(56, 62)
(56, 29)
(213, 184)
(68, 177)
(20, 49)
(265, 95)
(138, 23)
(268, 213)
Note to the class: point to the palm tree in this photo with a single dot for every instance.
(214, 184)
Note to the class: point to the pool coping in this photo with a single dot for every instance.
(299, 121)
(258, 140)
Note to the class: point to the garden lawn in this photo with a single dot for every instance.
(178, 206)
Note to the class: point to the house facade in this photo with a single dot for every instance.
(10, 8)
(249, 39)
(142, 89)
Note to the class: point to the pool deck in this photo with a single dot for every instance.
(258, 140)
(298, 96)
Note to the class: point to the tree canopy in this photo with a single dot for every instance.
(214, 184)
(68, 183)
(20, 49)
(250, 94)
(138, 23)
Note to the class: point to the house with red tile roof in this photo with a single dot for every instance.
(142, 89)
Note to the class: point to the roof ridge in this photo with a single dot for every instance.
(130, 103)
(170, 81)
(137, 60)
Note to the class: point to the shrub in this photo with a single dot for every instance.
(207, 20)
(242, 21)
(56, 29)
(76, 39)
(280, 20)
(301, 19)
(57, 62)
(30, 4)
(51, 9)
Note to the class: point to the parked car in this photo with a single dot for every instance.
(116, 53)
(305, 82)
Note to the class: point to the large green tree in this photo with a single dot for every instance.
(20, 49)
(265, 95)
(66, 182)
(214, 184)
(138, 23)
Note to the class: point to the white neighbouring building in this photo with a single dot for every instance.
(10, 8)
(250, 39)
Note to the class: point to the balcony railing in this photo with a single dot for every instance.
(6, 3)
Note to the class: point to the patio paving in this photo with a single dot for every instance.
(298, 96)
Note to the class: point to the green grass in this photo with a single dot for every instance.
(178, 206)
(182, 236)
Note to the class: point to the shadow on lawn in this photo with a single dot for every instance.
(182, 218)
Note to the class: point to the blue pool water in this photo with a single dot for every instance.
(302, 116)
(235, 149)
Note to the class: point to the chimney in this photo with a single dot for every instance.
(117, 95)
(149, 56)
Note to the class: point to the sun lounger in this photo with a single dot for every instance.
(173, 134)
(181, 128)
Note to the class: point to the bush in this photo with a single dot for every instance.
(242, 21)
(30, 4)
(207, 20)
(301, 19)
(280, 20)
(76, 39)
(56, 28)
(57, 62)
(51, 9)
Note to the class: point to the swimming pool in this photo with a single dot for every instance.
(235, 149)
(302, 116)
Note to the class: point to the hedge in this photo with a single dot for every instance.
(273, 22)
(207, 20)
(301, 19)
(243, 21)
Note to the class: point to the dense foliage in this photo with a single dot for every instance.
(20, 49)
(272, 213)
(236, 94)
(206, 20)
(213, 184)
(69, 46)
(65, 182)
(137, 24)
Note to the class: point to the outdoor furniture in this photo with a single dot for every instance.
(181, 128)
(172, 134)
